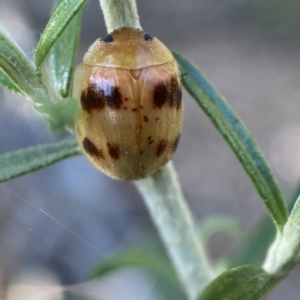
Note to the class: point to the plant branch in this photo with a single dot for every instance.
(283, 254)
(120, 13)
(166, 204)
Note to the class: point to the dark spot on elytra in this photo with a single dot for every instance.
(148, 37)
(91, 149)
(175, 144)
(142, 151)
(125, 107)
(174, 93)
(161, 147)
(150, 140)
(113, 150)
(160, 93)
(141, 106)
(95, 97)
(157, 119)
(108, 38)
(167, 91)
(146, 119)
(92, 98)
(114, 99)
(134, 109)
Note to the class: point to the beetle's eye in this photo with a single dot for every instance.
(148, 37)
(108, 38)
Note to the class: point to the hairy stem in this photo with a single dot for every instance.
(283, 254)
(166, 204)
(120, 13)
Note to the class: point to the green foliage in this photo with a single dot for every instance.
(63, 53)
(245, 282)
(20, 162)
(292, 232)
(134, 259)
(6, 82)
(20, 74)
(236, 135)
(62, 16)
(61, 114)
(284, 254)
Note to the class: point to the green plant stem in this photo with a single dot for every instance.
(283, 254)
(120, 13)
(166, 204)
(47, 90)
(274, 260)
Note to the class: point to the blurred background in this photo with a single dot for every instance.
(57, 223)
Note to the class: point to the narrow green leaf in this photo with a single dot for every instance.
(20, 162)
(63, 53)
(245, 282)
(237, 136)
(15, 66)
(8, 84)
(133, 259)
(62, 16)
(36, 87)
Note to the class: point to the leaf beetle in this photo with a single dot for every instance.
(131, 111)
